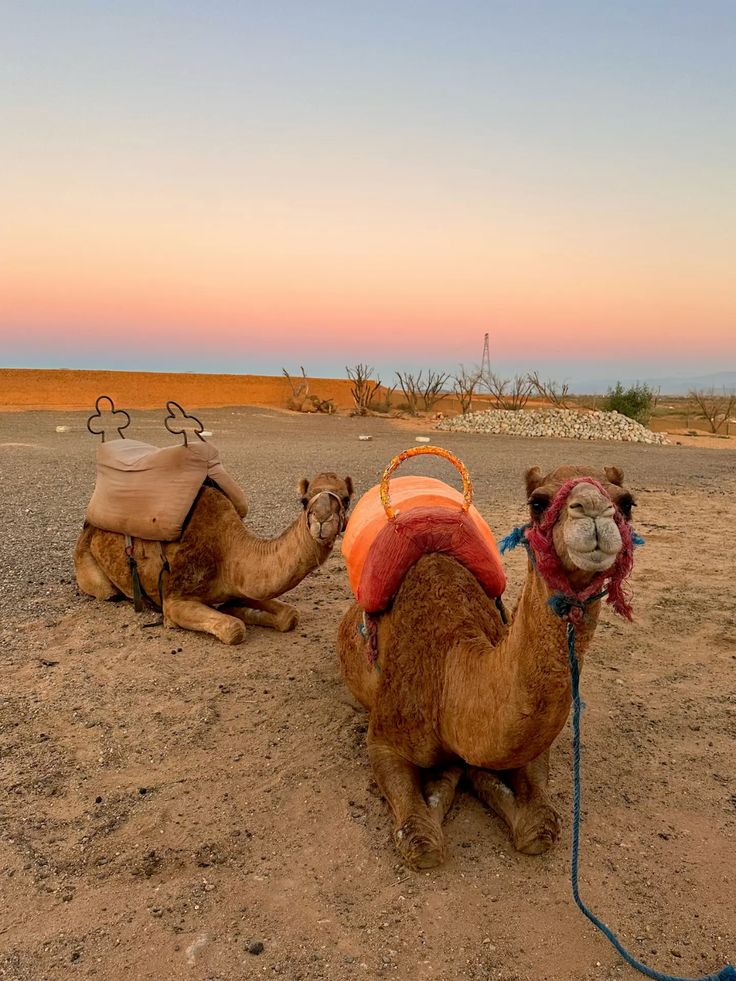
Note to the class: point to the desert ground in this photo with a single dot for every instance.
(174, 808)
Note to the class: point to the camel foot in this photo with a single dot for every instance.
(287, 619)
(537, 831)
(420, 843)
(232, 632)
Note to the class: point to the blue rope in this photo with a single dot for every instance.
(561, 606)
(515, 537)
(728, 973)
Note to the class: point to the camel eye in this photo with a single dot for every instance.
(625, 504)
(346, 502)
(538, 505)
(305, 501)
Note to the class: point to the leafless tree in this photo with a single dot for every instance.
(713, 407)
(411, 387)
(416, 388)
(549, 390)
(364, 388)
(466, 382)
(433, 390)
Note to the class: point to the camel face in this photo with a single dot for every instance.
(326, 500)
(587, 531)
(586, 536)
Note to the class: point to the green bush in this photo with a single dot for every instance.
(636, 402)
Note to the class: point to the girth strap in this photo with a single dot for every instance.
(137, 591)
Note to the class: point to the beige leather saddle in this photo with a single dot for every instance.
(147, 491)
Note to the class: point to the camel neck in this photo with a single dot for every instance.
(537, 639)
(268, 567)
(524, 695)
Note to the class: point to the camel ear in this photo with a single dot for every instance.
(303, 487)
(533, 480)
(349, 485)
(615, 475)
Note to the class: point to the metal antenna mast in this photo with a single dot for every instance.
(485, 364)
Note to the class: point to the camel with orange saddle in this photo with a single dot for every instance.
(453, 685)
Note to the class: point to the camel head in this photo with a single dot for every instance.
(326, 499)
(589, 528)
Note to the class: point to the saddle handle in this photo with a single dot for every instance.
(421, 451)
(97, 414)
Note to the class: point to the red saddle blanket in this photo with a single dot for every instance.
(430, 518)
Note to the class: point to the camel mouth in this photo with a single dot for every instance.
(594, 560)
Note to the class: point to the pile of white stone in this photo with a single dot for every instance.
(554, 422)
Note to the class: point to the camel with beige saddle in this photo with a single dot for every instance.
(165, 524)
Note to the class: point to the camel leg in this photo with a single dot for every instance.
(264, 613)
(523, 803)
(418, 832)
(440, 786)
(195, 615)
(90, 577)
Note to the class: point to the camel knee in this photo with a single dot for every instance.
(90, 577)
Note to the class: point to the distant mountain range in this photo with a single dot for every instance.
(667, 386)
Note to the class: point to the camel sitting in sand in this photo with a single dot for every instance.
(220, 576)
(461, 692)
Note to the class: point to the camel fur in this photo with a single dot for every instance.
(221, 576)
(459, 693)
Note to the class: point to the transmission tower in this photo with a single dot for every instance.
(485, 363)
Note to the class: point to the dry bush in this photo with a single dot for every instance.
(410, 387)
(549, 390)
(301, 400)
(465, 384)
(384, 403)
(508, 393)
(364, 388)
(429, 390)
(715, 408)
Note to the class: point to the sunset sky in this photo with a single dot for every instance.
(241, 186)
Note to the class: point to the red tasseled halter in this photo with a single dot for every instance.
(552, 571)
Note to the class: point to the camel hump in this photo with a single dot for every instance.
(147, 491)
(430, 518)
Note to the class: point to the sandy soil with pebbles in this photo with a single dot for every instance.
(172, 808)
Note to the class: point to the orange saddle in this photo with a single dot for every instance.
(386, 534)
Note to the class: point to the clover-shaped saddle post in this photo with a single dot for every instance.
(107, 418)
(180, 423)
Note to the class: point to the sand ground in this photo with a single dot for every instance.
(167, 802)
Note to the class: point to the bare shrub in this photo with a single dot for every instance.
(715, 408)
(410, 386)
(549, 390)
(364, 388)
(508, 393)
(429, 391)
(433, 390)
(384, 401)
(465, 385)
(301, 400)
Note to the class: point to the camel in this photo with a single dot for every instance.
(457, 692)
(220, 576)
